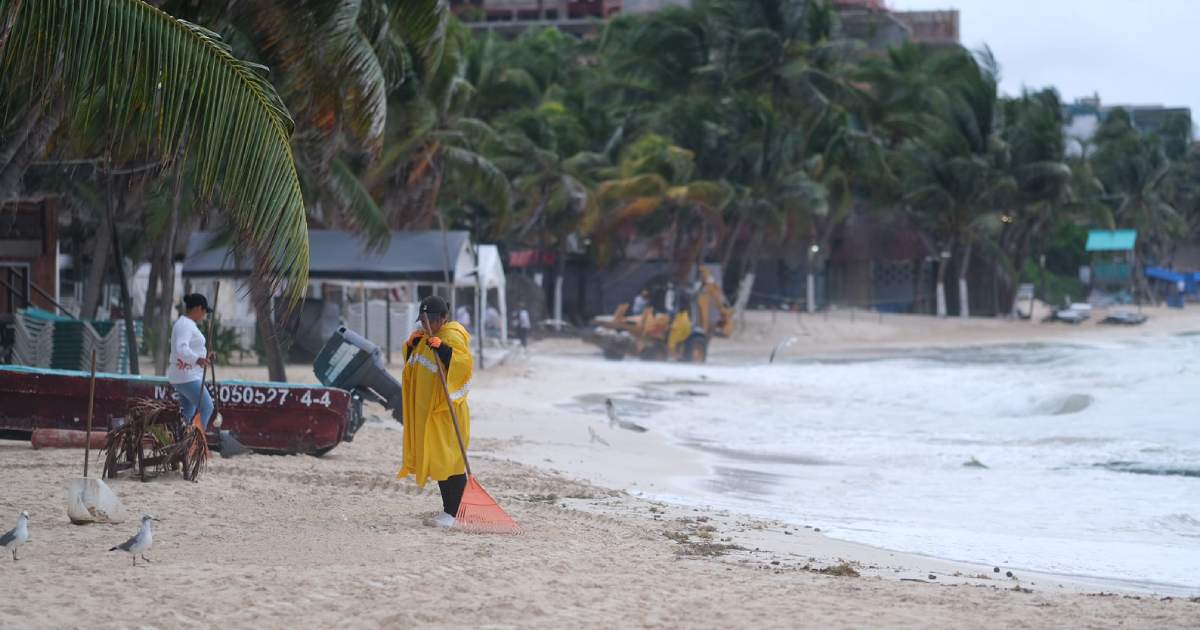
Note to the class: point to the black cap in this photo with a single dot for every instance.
(433, 305)
(192, 300)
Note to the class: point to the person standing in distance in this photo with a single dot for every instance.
(430, 445)
(189, 356)
(523, 325)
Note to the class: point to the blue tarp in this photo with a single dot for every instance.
(1158, 273)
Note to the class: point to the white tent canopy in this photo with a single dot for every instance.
(490, 277)
(411, 260)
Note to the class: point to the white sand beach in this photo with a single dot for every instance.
(297, 541)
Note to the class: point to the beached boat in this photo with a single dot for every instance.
(266, 417)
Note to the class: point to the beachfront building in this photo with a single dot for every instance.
(374, 293)
(869, 21)
(513, 17)
(1112, 265)
(28, 255)
(872, 22)
(1083, 118)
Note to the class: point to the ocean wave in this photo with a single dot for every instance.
(758, 457)
(1183, 524)
(1139, 468)
(1065, 405)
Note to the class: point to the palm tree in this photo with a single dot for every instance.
(434, 140)
(952, 174)
(788, 83)
(654, 196)
(1133, 169)
(178, 82)
(1036, 159)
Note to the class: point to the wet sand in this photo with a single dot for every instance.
(296, 541)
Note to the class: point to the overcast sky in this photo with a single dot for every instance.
(1130, 51)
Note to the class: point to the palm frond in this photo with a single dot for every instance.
(477, 175)
(179, 80)
(631, 187)
(422, 25)
(359, 64)
(359, 207)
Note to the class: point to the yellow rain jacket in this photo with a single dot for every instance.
(681, 329)
(430, 447)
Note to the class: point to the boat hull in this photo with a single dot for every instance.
(266, 417)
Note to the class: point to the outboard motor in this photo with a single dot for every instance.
(351, 362)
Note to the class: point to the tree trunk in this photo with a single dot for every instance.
(810, 289)
(150, 305)
(164, 310)
(114, 208)
(267, 330)
(964, 303)
(749, 267)
(941, 286)
(12, 144)
(560, 269)
(93, 287)
(31, 146)
(733, 236)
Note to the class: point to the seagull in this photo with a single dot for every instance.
(141, 541)
(614, 421)
(17, 536)
(596, 438)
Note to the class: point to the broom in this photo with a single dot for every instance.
(478, 512)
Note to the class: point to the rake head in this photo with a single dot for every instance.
(479, 513)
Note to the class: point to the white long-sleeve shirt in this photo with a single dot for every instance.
(187, 345)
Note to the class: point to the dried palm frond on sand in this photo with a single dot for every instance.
(148, 439)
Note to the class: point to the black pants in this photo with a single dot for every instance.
(523, 335)
(452, 491)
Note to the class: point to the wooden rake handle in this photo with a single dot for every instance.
(212, 317)
(446, 389)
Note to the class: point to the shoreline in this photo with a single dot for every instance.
(838, 337)
(609, 540)
(692, 464)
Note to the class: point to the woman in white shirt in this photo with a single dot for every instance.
(189, 355)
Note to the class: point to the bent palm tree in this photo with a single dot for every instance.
(177, 82)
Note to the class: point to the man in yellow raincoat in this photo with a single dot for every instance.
(431, 449)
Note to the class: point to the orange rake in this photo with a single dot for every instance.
(478, 512)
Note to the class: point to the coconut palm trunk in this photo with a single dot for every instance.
(964, 302)
(93, 285)
(268, 334)
(165, 309)
(28, 143)
(943, 263)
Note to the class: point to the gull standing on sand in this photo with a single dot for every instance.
(141, 541)
(614, 421)
(17, 536)
(596, 438)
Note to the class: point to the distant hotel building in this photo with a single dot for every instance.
(1083, 117)
(869, 21)
(881, 28)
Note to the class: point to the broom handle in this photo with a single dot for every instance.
(87, 444)
(446, 389)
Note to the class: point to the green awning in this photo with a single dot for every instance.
(1111, 240)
